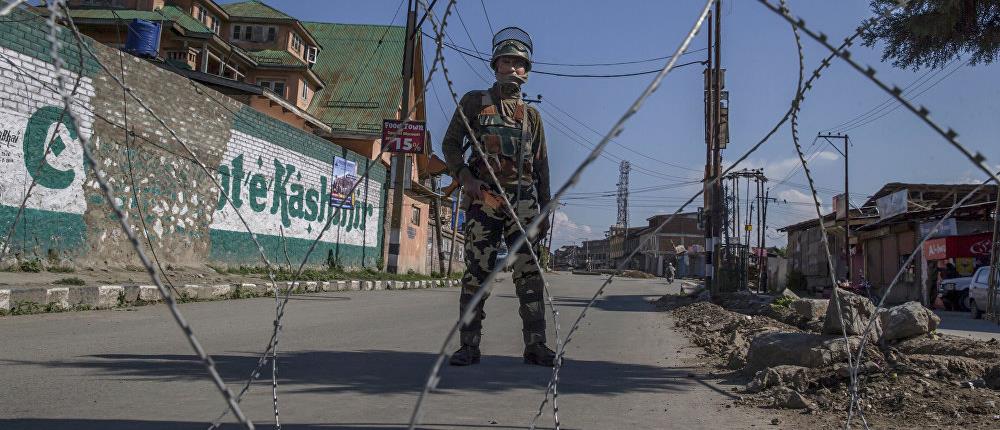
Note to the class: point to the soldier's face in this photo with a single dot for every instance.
(508, 65)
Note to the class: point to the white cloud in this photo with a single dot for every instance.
(567, 232)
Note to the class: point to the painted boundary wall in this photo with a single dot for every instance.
(278, 177)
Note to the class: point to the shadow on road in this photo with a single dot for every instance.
(384, 372)
(92, 424)
(613, 303)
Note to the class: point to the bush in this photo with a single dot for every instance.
(33, 266)
(70, 281)
(61, 269)
(782, 301)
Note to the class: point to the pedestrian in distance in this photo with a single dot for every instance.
(511, 135)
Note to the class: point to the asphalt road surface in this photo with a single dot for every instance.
(357, 360)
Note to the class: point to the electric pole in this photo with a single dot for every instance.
(847, 198)
(991, 300)
(400, 161)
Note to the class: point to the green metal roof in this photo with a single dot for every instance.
(254, 9)
(361, 66)
(168, 13)
(275, 57)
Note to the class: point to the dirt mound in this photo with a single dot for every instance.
(930, 381)
(637, 274)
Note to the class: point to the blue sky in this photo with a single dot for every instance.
(759, 53)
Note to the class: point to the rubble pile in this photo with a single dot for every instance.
(788, 355)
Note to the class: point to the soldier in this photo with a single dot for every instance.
(511, 134)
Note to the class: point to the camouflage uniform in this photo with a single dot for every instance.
(503, 125)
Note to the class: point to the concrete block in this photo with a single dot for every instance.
(131, 293)
(215, 292)
(5, 300)
(149, 293)
(312, 286)
(378, 285)
(327, 286)
(390, 285)
(189, 291)
(58, 295)
(36, 295)
(341, 285)
(355, 286)
(107, 296)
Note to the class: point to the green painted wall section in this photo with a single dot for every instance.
(60, 232)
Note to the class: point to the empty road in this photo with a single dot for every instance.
(357, 360)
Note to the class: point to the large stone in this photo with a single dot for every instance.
(992, 377)
(855, 313)
(810, 309)
(796, 349)
(907, 320)
(794, 377)
(789, 399)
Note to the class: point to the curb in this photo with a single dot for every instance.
(39, 300)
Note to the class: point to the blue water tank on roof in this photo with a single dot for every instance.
(143, 38)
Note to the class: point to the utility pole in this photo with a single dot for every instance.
(708, 210)
(400, 161)
(847, 198)
(991, 300)
(716, 136)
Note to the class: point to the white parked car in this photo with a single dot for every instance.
(979, 292)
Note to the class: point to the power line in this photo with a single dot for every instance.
(584, 125)
(597, 64)
(487, 15)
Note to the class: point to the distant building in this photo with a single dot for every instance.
(680, 242)
(885, 232)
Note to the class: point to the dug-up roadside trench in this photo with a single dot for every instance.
(788, 354)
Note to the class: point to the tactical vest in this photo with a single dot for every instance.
(508, 147)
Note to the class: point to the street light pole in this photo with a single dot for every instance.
(847, 197)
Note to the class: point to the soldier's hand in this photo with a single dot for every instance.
(473, 186)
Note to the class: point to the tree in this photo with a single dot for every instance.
(930, 33)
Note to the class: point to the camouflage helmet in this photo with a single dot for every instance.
(513, 42)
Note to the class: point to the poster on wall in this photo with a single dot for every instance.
(345, 174)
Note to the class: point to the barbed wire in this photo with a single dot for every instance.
(194, 158)
(9, 7)
(796, 107)
(574, 178)
(5, 247)
(55, 11)
(478, 150)
(282, 307)
(923, 113)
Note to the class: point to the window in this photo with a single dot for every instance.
(305, 90)
(311, 54)
(248, 33)
(296, 44)
(983, 277)
(216, 25)
(236, 32)
(272, 34)
(201, 15)
(274, 85)
(415, 215)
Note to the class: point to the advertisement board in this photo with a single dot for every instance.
(892, 204)
(345, 174)
(403, 138)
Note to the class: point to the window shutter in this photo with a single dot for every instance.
(258, 33)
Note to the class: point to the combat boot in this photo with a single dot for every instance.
(468, 353)
(538, 353)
